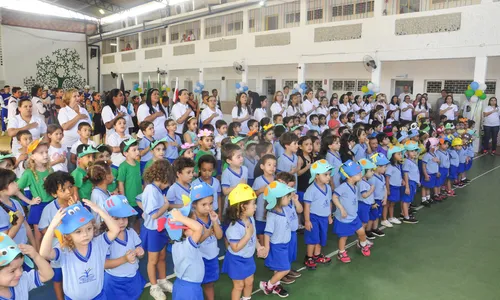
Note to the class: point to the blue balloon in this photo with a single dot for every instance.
(369, 93)
(238, 85)
(245, 89)
(474, 85)
(294, 91)
(303, 86)
(136, 86)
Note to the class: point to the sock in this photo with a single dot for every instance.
(270, 285)
(407, 218)
(246, 298)
(428, 197)
(341, 251)
(424, 198)
(363, 243)
(162, 280)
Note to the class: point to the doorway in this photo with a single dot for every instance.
(269, 88)
(400, 84)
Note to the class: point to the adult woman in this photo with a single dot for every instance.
(394, 106)
(293, 106)
(259, 108)
(193, 104)
(367, 104)
(358, 103)
(25, 120)
(181, 111)
(449, 109)
(212, 113)
(113, 110)
(278, 107)
(491, 125)
(307, 105)
(406, 109)
(153, 111)
(99, 128)
(344, 105)
(422, 108)
(334, 102)
(242, 112)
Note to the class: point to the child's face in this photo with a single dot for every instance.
(185, 175)
(381, 169)
(12, 189)
(120, 126)
(83, 235)
(279, 120)
(285, 200)
(133, 152)
(250, 151)
(322, 121)
(323, 178)
(237, 159)
(373, 144)
(368, 173)
(316, 146)
(297, 132)
(122, 223)
(335, 146)
(302, 119)
(188, 153)
(398, 157)
(237, 129)
(206, 170)
(458, 148)
(7, 164)
(171, 127)
(85, 160)
(294, 146)
(64, 192)
(362, 137)
(57, 136)
(314, 121)
(356, 178)
(11, 274)
(159, 151)
(412, 154)
(204, 206)
(150, 131)
(296, 121)
(41, 155)
(250, 208)
(206, 143)
(443, 146)
(223, 129)
(307, 146)
(290, 123)
(192, 125)
(26, 139)
(344, 120)
(269, 136)
(386, 141)
(103, 156)
(362, 115)
(254, 126)
(269, 167)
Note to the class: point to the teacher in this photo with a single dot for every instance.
(242, 112)
(181, 111)
(491, 125)
(153, 112)
(113, 110)
(211, 114)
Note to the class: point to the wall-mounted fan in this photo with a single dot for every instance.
(238, 68)
(161, 72)
(369, 63)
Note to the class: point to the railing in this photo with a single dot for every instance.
(394, 7)
(323, 11)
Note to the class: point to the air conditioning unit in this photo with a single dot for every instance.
(183, 7)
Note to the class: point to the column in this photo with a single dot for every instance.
(377, 73)
(202, 29)
(301, 73)
(140, 80)
(139, 36)
(303, 12)
(480, 68)
(378, 8)
(200, 75)
(118, 46)
(245, 21)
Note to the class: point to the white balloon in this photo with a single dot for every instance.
(296, 86)
(474, 98)
(483, 86)
(376, 89)
(241, 89)
(237, 91)
(370, 86)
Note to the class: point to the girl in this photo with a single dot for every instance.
(268, 133)
(250, 160)
(154, 239)
(190, 127)
(394, 107)
(390, 117)
(172, 140)
(330, 146)
(294, 108)
(242, 112)
(316, 146)
(394, 181)
(83, 187)
(122, 279)
(114, 139)
(323, 108)
(347, 221)
(158, 148)
(411, 177)
(81, 255)
(305, 156)
(239, 263)
(380, 194)
(430, 170)
(202, 197)
(444, 167)
(260, 108)
(456, 145)
(148, 129)
(100, 176)
(206, 143)
(366, 198)
(206, 166)
(361, 148)
(234, 129)
(347, 142)
(322, 123)
(186, 150)
(278, 236)
(350, 120)
(267, 164)
(57, 152)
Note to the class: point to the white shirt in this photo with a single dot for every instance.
(259, 113)
(178, 110)
(78, 143)
(158, 123)
(367, 107)
(395, 107)
(108, 115)
(467, 110)
(71, 135)
(450, 114)
(18, 122)
(57, 153)
(307, 106)
(315, 102)
(12, 107)
(403, 95)
(344, 108)
(493, 119)
(322, 111)
(208, 112)
(406, 115)
(244, 113)
(276, 109)
(292, 111)
(114, 140)
(38, 108)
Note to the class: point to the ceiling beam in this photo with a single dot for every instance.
(104, 5)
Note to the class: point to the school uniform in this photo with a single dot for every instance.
(359, 151)
(378, 194)
(278, 149)
(469, 152)
(216, 187)
(334, 160)
(124, 281)
(189, 269)
(48, 214)
(145, 143)
(78, 143)
(240, 265)
(114, 140)
(37, 190)
(250, 163)
(99, 197)
(364, 204)
(83, 275)
(432, 168)
(231, 178)
(344, 227)
(209, 250)
(175, 192)
(152, 201)
(286, 164)
(444, 166)
(395, 178)
(260, 212)
(293, 220)
(28, 281)
(130, 176)
(57, 153)
(319, 200)
(462, 155)
(454, 164)
(171, 153)
(278, 230)
(21, 237)
(410, 167)
(84, 185)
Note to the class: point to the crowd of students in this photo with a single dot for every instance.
(253, 183)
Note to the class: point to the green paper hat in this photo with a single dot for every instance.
(6, 156)
(296, 127)
(157, 142)
(89, 150)
(128, 143)
(449, 126)
(236, 139)
(274, 191)
(366, 164)
(251, 142)
(412, 146)
(319, 167)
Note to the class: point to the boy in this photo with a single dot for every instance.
(288, 161)
(184, 171)
(84, 131)
(25, 138)
(277, 119)
(278, 132)
(82, 188)
(129, 177)
(207, 165)
(377, 128)
(236, 172)
(314, 119)
(250, 160)
(334, 123)
(253, 125)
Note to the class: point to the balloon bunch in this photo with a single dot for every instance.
(199, 87)
(475, 91)
(241, 87)
(137, 88)
(299, 88)
(370, 89)
(165, 88)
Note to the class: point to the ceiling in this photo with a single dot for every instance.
(92, 7)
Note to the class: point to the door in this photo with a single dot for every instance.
(399, 86)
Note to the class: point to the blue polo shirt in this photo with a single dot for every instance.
(260, 212)
(119, 249)
(188, 262)
(333, 158)
(235, 232)
(454, 159)
(278, 227)
(250, 163)
(349, 200)
(380, 188)
(395, 174)
(175, 192)
(319, 199)
(410, 167)
(444, 158)
(428, 162)
(363, 187)
(152, 201)
(359, 151)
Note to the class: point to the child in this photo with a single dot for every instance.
(25, 138)
(467, 139)
(172, 141)
(268, 133)
(129, 177)
(288, 161)
(444, 167)
(314, 119)
(305, 158)
(83, 187)
(206, 166)
(16, 285)
(158, 148)
(187, 150)
(288, 123)
(411, 178)
(148, 130)
(122, 279)
(268, 166)
(189, 130)
(430, 170)
(154, 239)
(456, 145)
(317, 213)
(104, 155)
(239, 263)
(361, 148)
(81, 255)
(100, 176)
(330, 146)
(346, 220)
(235, 173)
(394, 180)
(202, 197)
(114, 139)
(334, 122)
(221, 127)
(12, 219)
(278, 132)
(206, 142)
(84, 131)
(234, 129)
(250, 160)
(57, 152)
(183, 168)
(322, 123)
(380, 194)
(277, 237)
(365, 196)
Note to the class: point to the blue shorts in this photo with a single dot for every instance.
(237, 267)
(277, 259)
(453, 175)
(152, 240)
(461, 167)
(260, 226)
(36, 212)
(380, 209)
(375, 212)
(143, 166)
(57, 275)
(123, 287)
(468, 165)
(413, 191)
(346, 229)
(219, 167)
(364, 212)
(171, 160)
(292, 247)
(250, 181)
(431, 183)
(445, 172)
(139, 212)
(319, 231)
(185, 290)
(101, 296)
(395, 195)
(211, 270)
(27, 194)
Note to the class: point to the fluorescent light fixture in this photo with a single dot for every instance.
(42, 8)
(262, 2)
(102, 11)
(113, 44)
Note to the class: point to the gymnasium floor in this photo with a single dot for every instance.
(450, 254)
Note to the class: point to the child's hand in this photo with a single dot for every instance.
(91, 204)
(58, 217)
(249, 230)
(72, 200)
(438, 174)
(213, 216)
(343, 212)
(308, 225)
(36, 201)
(427, 178)
(374, 206)
(407, 190)
(28, 250)
(435, 159)
(262, 252)
(139, 251)
(295, 197)
(330, 219)
(384, 202)
(130, 256)
(175, 215)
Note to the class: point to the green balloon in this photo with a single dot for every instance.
(482, 97)
(469, 93)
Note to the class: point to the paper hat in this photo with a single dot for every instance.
(205, 132)
(184, 147)
(388, 130)
(200, 191)
(117, 206)
(274, 191)
(267, 127)
(349, 169)
(174, 229)
(319, 167)
(394, 149)
(413, 126)
(403, 136)
(128, 143)
(9, 251)
(412, 146)
(252, 132)
(446, 139)
(250, 142)
(426, 129)
(6, 156)
(298, 127)
(241, 193)
(237, 139)
(366, 164)
(33, 145)
(439, 130)
(379, 159)
(457, 142)
(87, 151)
(472, 132)
(157, 142)
(463, 120)
(433, 142)
(449, 126)
(76, 217)
(413, 133)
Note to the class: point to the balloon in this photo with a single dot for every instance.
(483, 86)
(469, 93)
(478, 93)
(301, 90)
(468, 87)
(474, 85)
(370, 93)
(365, 89)
(370, 86)
(238, 85)
(136, 86)
(168, 89)
(241, 89)
(376, 89)
(473, 98)
(245, 89)
(294, 91)
(482, 97)
(295, 86)
(139, 90)
(237, 91)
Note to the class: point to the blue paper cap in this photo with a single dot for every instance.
(403, 136)
(319, 167)
(117, 206)
(412, 146)
(392, 150)
(366, 164)
(174, 229)
(379, 159)
(9, 251)
(274, 191)
(200, 191)
(349, 169)
(76, 217)
(413, 133)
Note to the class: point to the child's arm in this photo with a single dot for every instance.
(407, 186)
(195, 226)
(161, 211)
(305, 169)
(33, 201)
(59, 161)
(46, 250)
(424, 170)
(298, 206)
(121, 188)
(215, 225)
(336, 201)
(237, 246)
(369, 192)
(387, 185)
(45, 271)
(129, 257)
(113, 227)
(307, 216)
(75, 193)
(31, 237)
(221, 205)
(187, 138)
(227, 190)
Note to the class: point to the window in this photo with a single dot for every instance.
(271, 22)
(289, 84)
(174, 36)
(336, 11)
(225, 25)
(292, 18)
(213, 31)
(491, 87)
(409, 6)
(337, 85)
(361, 83)
(434, 86)
(457, 86)
(349, 85)
(316, 14)
(348, 10)
(364, 7)
(251, 23)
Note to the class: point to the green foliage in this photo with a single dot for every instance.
(62, 69)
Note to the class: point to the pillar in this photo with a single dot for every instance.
(301, 73)
(378, 8)
(202, 29)
(303, 12)
(246, 19)
(480, 68)
(141, 82)
(200, 75)
(139, 37)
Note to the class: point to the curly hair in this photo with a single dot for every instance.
(98, 171)
(160, 170)
(181, 163)
(235, 212)
(56, 180)
(68, 243)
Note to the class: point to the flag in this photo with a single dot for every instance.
(149, 82)
(176, 93)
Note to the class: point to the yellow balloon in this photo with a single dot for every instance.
(139, 90)
(168, 89)
(468, 87)
(364, 89)
(479, 93)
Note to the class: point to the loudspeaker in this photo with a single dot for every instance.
(93, 53)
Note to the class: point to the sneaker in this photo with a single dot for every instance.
(410, 220)
(412, 206)
(287, 280)
(310, 264)
(364, 250)
(369, 243)
(451, 193)
(377, 232)
(394, 221)
(157, 293)
(465, 181)
(343, 257)
(322, 259)
(370, 235)
(493, 152)
(294, 274)
(485, 151)
(436, 199)
(460, 185)
(426, 203)
(386, 224)
(280, 291)
(264, 288)
(444, 196)
(165, 285)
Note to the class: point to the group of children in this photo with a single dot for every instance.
(131, 197)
